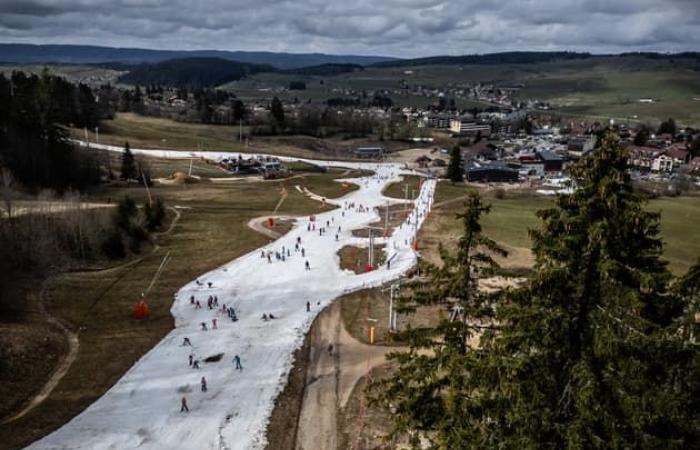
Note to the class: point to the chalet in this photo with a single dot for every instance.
(641, 158)
(492, 172)
(679, 154)
(662, 162)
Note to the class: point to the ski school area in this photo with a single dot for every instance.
(211, 383)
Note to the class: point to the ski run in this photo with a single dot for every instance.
(143, 409)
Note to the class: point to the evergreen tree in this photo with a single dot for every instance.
(277, 111)
(454, 168)
(429, 389)
(128, 171)
(668, 126)
(595, 352)
(641, 137)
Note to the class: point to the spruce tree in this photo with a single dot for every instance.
(454, 168)
(428, 390)
(128, 171)
(599, 350)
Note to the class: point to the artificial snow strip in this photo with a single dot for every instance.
(142, 410)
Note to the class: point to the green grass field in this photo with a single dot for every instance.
(512, 217)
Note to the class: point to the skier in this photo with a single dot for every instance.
(191, 299)
(270, 316)
(237, 361)
(336, 238)
(191, 359)
(264, 317)
(213, 324)
(303, 253)
(186, 341)
(195, 364)
(204, 326)
(210, 284)
(204, 384)
(288, 253)
(262, 253)
(388, 265)
(269, 259)
(308, 267)
(183, 405)
(308, 307)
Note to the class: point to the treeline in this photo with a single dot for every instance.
(192, 72)
(33, 141)
(488, 59)
(311, 120)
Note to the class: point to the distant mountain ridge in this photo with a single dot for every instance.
(88, 54)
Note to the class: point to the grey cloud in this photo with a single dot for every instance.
(391, 27)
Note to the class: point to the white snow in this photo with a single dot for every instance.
(142, 410)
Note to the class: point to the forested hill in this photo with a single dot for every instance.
(325, 69)
(192, 72)
(486, 59)
(87, 54)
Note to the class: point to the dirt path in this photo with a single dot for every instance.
(258, 224)
(71, 337)
(63, 366)
(22, 208)
(331, 378)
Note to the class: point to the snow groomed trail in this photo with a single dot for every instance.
(143, 409)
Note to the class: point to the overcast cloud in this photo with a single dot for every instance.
(405, 28)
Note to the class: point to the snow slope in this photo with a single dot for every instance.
(143, 409)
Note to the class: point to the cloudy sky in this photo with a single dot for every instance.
(405, 28)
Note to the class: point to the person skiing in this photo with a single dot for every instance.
(213, 324)
(191, 299)
(209, 284)
(303, 253)
(183, 405)
(204, 384)
(186, 341)
(195, 364)
(237, 361)
(198, 305)
(204, 326)
(308, 267)
(308, 306)
(264, 317)
(191, 359)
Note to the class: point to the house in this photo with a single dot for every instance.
(541, 162)
(491, 172)
(580, 145)
(679, 154)
(463, 127)
(368, 152)
(552, 161)
(641, 157)
(662, 162)
(694, 166)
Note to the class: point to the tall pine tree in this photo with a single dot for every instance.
(599, 350)
(454, 167)
(128, 171)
